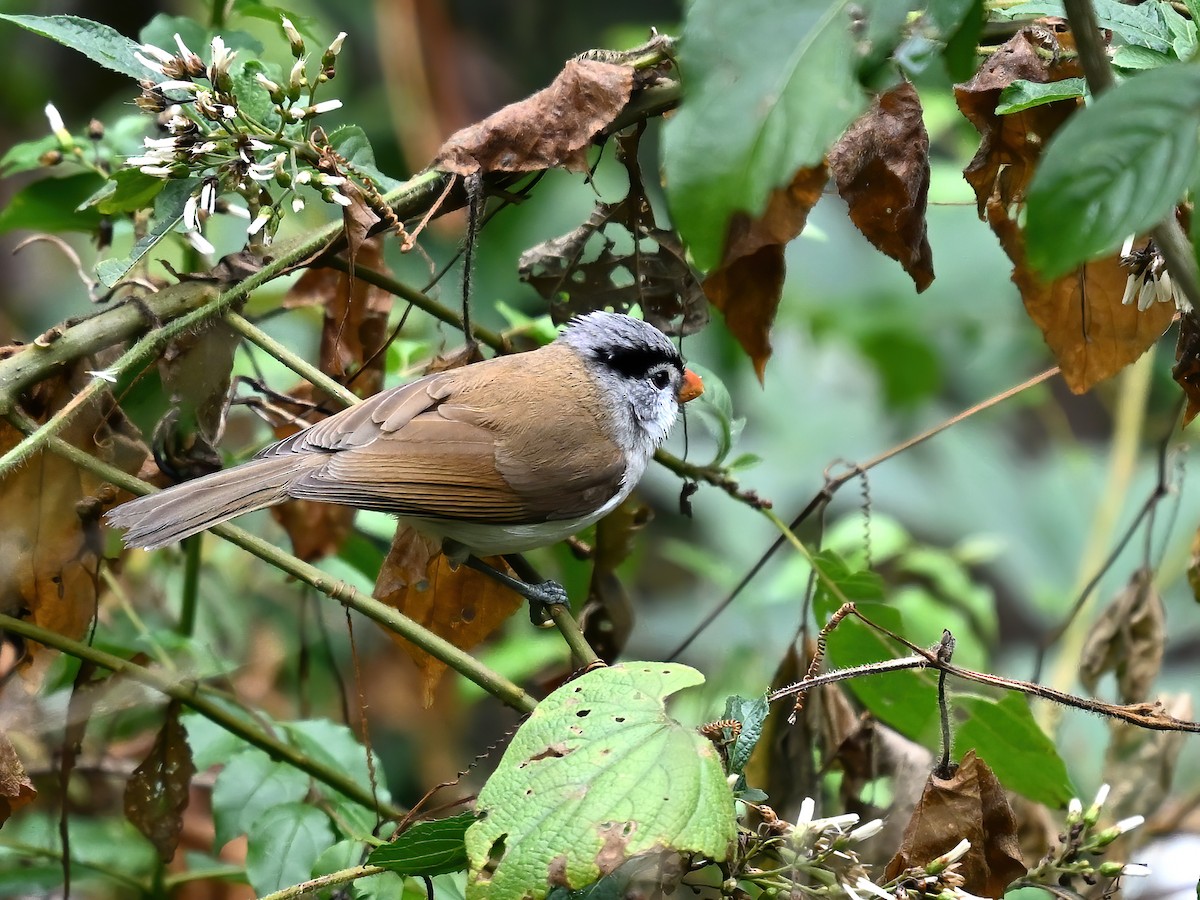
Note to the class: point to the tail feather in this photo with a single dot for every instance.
(157, 520)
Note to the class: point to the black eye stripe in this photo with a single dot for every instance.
(637, 363)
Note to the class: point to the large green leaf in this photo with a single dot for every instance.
(49, 204)
(906, 700)
(285, 844)
(250, 785)
(598, 774)
(1141, 25)
(427, 848)
(768, 87)
(168, 212)
(1116, 168)
(97, 42)
(1022, 94)
(1005, 734)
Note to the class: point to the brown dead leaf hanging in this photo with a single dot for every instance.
(1091, 333)
(459, 604)
(969, 804)
(16, 790)
(881, 166)
(1187, 375)
(157, 792)
(51, 551)
(747, 284)
(554, 127)
(1127, 640)
(1010, 145)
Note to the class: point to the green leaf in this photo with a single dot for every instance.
(49, 204)
(906, 700)
(168, 211)
(752, 713)
(97, 42)
(308, 26)
(1183, 32)
(284, 845)
(598, 766)
(254, 99)
(1129, 56)
(26, 156)
(211, 744)
(1023, 94)
(959, 23)
(337, 746)
(715, 408)
(351, 142)
(1141, 25)
(161, 30)
(744, 127)
(427, 848)
(1005, 734)
(1118, 167)
(251, 784)
(128, 190)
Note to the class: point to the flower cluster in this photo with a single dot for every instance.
(213, 135)
(1148, 280)
(1081, 847)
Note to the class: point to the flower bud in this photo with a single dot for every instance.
(294, 40)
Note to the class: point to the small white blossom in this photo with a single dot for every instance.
(1145, 298)
(183, 48)
(1131, 291)
(336, 47)
(1127, 247)
(157, 52)
(222, 56)
(174, 85)
(1127, 825)
(1135, 870)
(1166, 290)
(201, 149)
(1075, 807)
(259, 145)
(260, 220)
(807, 807)
(156, 171)
(337, 181)
(296, 76)
(324, 106)
(297, 203)
(197, 240)
(870, 829)
(237, 211)
(267, 83)
(108, 375)
(341, 199)
(865, 884)
(150, 64)
(1101, 796)
(957, 852)
(56, 121)
(208, 196)
(293, 35)
(303, 177)
(191, 220)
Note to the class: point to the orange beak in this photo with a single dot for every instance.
(691, 388)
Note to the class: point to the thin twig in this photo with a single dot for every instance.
(292, 360)
(832, 484)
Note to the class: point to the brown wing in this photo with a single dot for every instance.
(473, 444)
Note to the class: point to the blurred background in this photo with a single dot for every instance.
(990, 529)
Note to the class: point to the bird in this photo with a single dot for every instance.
(491, 459)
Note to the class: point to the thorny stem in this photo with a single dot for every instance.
(492, 682)
(342, 876)
(1174, 244)
(189, 694)
(1144, 715)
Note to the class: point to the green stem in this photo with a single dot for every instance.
(191, 585)
(189, 694)
(292, 360)
(573, 635)
(333, 878)
(393, 620)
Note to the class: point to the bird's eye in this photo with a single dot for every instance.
(660, 379)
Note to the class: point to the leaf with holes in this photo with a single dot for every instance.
(598, 775)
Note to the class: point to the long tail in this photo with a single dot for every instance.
(157, 520)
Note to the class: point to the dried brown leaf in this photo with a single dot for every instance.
(459, 604)
(1187, 375)
(16, 790)
(1091, 333)
(748, 282)
(1127, 640)
(1010, 145)
(969, 804)
(554, 127)
(881, 166)
(51, 549)
(157, 792)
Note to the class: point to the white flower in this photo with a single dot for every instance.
(1131, 291)
(1127, 247)
(173, 85)
(1101, 796)
(183, 48)
(338, 180)
(56, 121)
(336, 47)
(197, 240)
(222, 56)
(1145, 298)
(156, 171)
(191, 221)
(208, 196)
(157, 52)
(237, 210)
(957, 852)
(266, 82)
(293, 35)
(1127, 825)
(324, 106)
(108, 375)
(865, 884)
(257, 225)
(296, 76)
(1136, 870)
(159, 143)
(297, 203)
(1166, 290)
(256, 144)
(869, 830)
(201, 149)
(303, 177)
(153, 66)
(341, 199)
